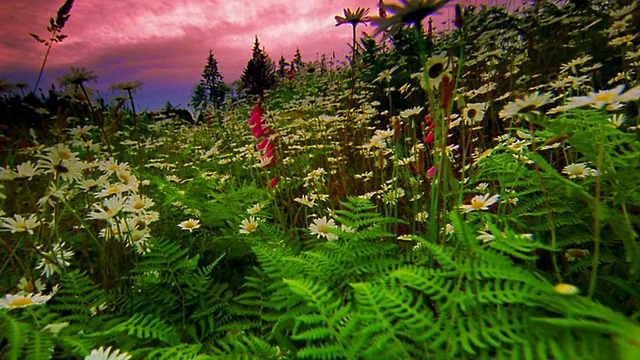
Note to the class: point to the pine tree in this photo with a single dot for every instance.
(297, 63)
(208, 91)
(282, 67)
(260, 74)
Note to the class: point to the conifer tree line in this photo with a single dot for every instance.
(260, 74)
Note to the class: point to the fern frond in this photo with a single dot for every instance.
(16, 333)
(389, 321)
(146, 327)
(179, 352)
(40, 347)
(321, 329)
(77, 299)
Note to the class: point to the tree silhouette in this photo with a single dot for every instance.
(210, 90)
(259, 74)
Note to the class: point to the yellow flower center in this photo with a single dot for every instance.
(21, 302)
(324, 229)
(477, 204)
(124, 178)
(605, 97)
(65, 155)
(251, 226)
(138, 205)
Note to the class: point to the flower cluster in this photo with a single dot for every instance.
(262, 133)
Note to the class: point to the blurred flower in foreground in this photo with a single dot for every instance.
(528, 104)
(105, 354)
(407, 12)
(19, 301)
(359, 16)
(566, 289)
(480, 202)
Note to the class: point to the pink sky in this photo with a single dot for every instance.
(165, 43)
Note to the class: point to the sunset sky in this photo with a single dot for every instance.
(165, 43)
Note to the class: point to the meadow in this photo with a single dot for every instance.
(469, 194)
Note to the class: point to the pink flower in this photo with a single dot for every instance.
(268, 153)
(431, 172)
(273, 182)
(256, 116)
(429, 138)
(258, 131)
(264, 143)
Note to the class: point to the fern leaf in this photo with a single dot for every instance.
(41, 346)
(16, 334)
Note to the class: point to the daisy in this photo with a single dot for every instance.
(20, 224)
(137, 203)
(578, 171)
(61, 152)
(27, 170)
(189, 225)
(57, 256)
(249, 225)
(314, 174)
(528, 104)
(110, 208)
(474, 112)
(111, 166)
(68, 170)
(604, 98)
(80, 132)
(30, 287)
(438, 67)
(20, 301)
(322, 227)
(106, 354)
(480, 202)
(130, 181)
(254, 209)
(304, 200)
(405, 114)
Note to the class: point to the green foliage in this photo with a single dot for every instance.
(171, 286)
(78, 300)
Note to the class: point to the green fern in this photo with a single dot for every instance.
(144, 327)
(16, 334)
(78, 300)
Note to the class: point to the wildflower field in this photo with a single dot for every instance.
(469, 194)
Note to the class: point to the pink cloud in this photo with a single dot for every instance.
(167, 41)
